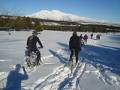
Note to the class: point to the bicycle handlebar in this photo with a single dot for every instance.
(39, 47)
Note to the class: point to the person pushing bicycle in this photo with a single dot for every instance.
(32, 45)
(74, 45)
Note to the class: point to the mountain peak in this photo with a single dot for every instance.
(58, 15)
(62, 16)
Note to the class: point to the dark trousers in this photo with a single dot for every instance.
(76, 54)
(38, 57)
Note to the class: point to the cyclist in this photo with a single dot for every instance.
(32, 46)
(74, 44)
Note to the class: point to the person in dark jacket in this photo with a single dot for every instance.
(91, 36)
(74, 44)
(81, 39)
(85, 38)
(32, 45)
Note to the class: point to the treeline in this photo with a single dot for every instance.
(83, 28)
(19, 23)
(26, 23)
(61, 27)
(99, 28)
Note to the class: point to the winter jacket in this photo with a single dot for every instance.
(32, 42)
(74, 43)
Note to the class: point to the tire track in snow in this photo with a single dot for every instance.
(102, 74)
(107, 79)
(81, 71)
(69, 79)
(54, 79)
(74, 80)
(101, 70)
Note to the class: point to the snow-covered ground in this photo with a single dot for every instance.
(98, 67)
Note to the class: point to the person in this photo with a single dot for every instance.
(74, 45)
(81, 39)
(98, 36)
(32, 46)
(15, 77)
(85, 38)
(91, 36)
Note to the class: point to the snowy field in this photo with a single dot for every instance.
(98, 67)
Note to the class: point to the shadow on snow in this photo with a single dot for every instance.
(104, 57)
(62, 59)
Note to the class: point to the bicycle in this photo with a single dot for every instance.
(31, 58)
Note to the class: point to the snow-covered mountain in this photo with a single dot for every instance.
(62, 16)
(59, 15)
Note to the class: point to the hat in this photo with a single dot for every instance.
(18, 66)
(34, 32)
(74, 33)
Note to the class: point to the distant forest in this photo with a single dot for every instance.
(26, 23)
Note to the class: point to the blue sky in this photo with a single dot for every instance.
(108, 10)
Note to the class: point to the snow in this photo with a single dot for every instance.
(58, 15)
(98, 67)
